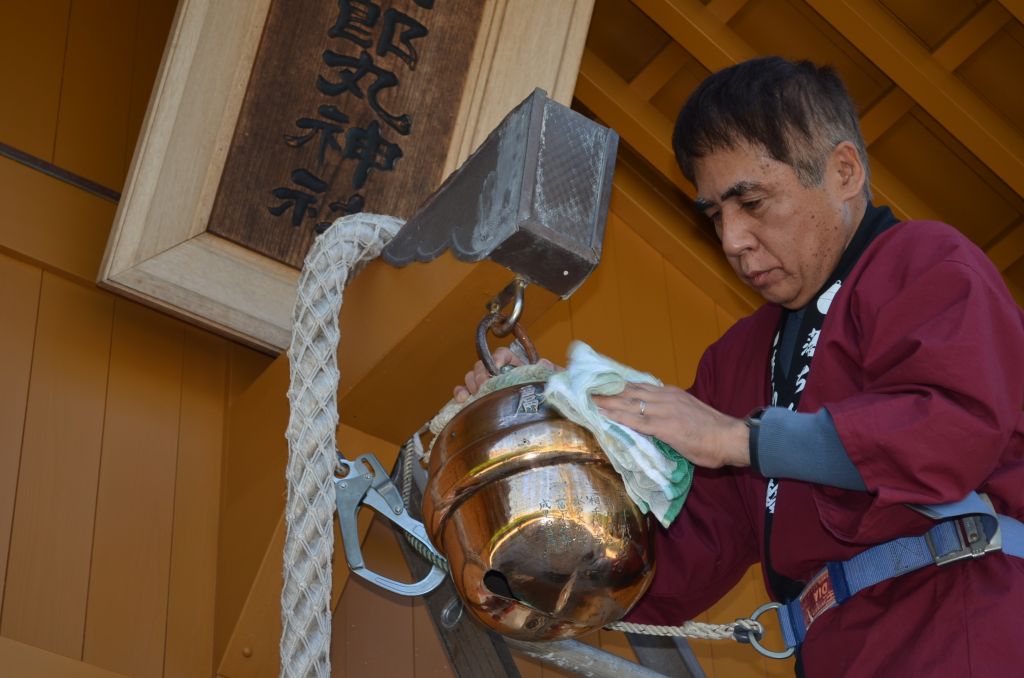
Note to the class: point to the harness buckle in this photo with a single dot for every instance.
(974, 543)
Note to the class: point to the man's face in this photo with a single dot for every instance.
(782, 238)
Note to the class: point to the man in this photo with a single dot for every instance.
(890, 357)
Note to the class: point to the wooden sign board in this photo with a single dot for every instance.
(266, 124)
(350, 107)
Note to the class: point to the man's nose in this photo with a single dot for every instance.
(736, 233)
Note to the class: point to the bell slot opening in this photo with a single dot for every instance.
(497, 583)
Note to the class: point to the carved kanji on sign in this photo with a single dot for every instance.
(370, 82)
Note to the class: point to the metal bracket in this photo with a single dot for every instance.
(364, 481)
(533, 198)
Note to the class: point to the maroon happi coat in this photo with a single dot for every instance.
(920, 362)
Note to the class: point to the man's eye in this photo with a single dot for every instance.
(751, 205)
(716, 221)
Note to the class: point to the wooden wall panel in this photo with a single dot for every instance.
(528, 667)
(152, 21)
(615, 642)
(25, 661)
(193, 573)
(494, 82)
(552, 332)
(252, 490)
(135, 504)
(19, 300)
(428, 653)
(725, 319)
(78, 398)
(693, 322)
(379, 624)
(596, 314)
(53, 223)
(985, 72)
(95, 94)
(48, 569)
(32, 41)
(960, 195)
(768, 26)
(339, 641)
(643, 302)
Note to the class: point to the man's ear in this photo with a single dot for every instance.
(846, 171)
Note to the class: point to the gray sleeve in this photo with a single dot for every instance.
(804, 447)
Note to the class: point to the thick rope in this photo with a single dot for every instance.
(306, 597)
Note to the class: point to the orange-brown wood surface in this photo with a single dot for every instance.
(193, 568)
(111, 453)
(32, 40)
(253, 491)
(152, 22)
(19, 659)
(19, 303)
(112, 424)
(135, 499)
(96, 90)
(52, 223)
(47, 586)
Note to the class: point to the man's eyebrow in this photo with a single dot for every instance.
(740, 189)
(737, 190)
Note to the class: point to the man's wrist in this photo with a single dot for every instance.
(737, 442)
(753, 425)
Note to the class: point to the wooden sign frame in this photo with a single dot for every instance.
(160, 251)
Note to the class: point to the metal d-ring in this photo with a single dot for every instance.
(517, 331)
(754, 639)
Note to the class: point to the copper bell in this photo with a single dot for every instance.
(542, 541)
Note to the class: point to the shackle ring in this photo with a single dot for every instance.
(504, 327)
(517, 331)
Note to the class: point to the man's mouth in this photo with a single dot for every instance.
(758, 278)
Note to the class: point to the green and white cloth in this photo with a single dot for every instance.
(657, 478)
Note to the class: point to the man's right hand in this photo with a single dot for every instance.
(479, 374)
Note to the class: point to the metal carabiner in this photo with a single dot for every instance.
(364, 481)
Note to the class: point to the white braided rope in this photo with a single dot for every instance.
(336, 255)
(691, 629)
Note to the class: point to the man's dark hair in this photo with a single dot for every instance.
(797, 111)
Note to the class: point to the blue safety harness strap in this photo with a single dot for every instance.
(970, 528)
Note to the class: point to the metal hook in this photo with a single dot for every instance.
(365, 482)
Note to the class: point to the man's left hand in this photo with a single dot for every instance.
(696, 430)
